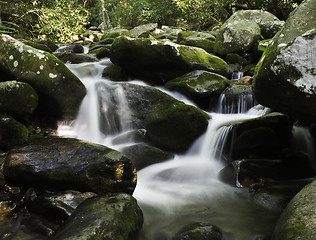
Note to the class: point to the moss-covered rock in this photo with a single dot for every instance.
(142, 29)
(285, 75)
(199, 231)
(37, 45)
(115, 73)
(116, 32)
(170, 124)
(69, 164)
(236, 36)
(144, 155)
(115, 216)
(200, 86)
(202, 40)
(60, 91)
(12, 132)
(17, 99)
(160, 61)
(101, 52)
(298, 220)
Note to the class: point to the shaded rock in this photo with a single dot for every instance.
(115, 73)
(144, 155)
(53, 46)
(285, 75)
(12, 132)
(2, 179)
(60, 91)
(74, 58)
(199, 231)
(139, 30)
(268, 23)
(69, 164)
(160, 61)
(202, 40)
(297, 221)
(136, 136)
(199, 86)
(170, 124)
(236, 36)
(58, 206)
(167, 32)
(106, 217)
(74, 48)
(17, 99)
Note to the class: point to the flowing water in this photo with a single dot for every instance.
(183, 190)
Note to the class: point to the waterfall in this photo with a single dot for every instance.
(180, 191)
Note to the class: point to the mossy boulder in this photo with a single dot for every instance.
(199, 231)
(108, 217)
(116, 32)
(59, 90)
(236, 36)
(298, 220)
(202, 40)
(143, 155)
(159, 61)
(285, 76)
(12, 132)
(101, 52)
(17, 99)
(115, 73)
(268, 23)
(37, 45)
(200, 86)
(170, 124)
(142, 29)
(69, 164)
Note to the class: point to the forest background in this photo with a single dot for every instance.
(60, 20)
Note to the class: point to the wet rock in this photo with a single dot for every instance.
(58, 206)
(17, 99)
(101, 52)
(200, 86)
(75, 58)
(12, 132)
(37, 45)
(236, 36)
(69, 164)
(159, 61)
(202, 40)
(144, 155)
(106, 217)
(60, 91)
(297, 221)
(237, 98)
(53, 46)
(285, 75)
(170, 124)
(116, 32)
(2, 159)
(199, 231)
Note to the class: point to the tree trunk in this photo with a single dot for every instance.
(105, 16)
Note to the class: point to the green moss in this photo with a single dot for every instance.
(297, 229)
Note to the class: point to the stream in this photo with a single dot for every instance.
(183, 190)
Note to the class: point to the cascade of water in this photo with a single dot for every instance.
(180, 191)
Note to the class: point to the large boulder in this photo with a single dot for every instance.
(170, 124)
(199, 231)
(286, 75)
(142, 29)
(298, 220)
(236, 36)
(200, 86)
(17, 99)
(159, 61)
(59, 90)
(108, 217)
(69, 164)
(12, 132)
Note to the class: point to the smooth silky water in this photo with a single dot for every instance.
(180, 191)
